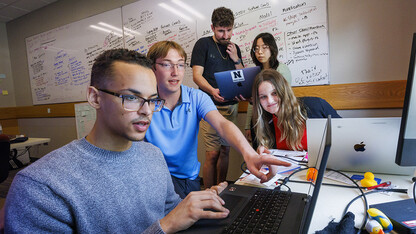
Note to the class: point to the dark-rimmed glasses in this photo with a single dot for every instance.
(134, 103)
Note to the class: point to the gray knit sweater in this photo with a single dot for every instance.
(84, 189)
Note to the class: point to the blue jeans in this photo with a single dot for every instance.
(184, 186)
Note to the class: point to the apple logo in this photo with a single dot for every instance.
(239, 84)
(359, 147)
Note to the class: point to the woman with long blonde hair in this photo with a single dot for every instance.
(279, 116)
(274, 101)
(264, 53)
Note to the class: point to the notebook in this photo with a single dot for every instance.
(300, 206)
(359, 144)
(235, 82)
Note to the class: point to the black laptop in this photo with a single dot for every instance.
(281, 211)
(236, 82)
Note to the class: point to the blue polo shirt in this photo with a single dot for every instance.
(176, 132)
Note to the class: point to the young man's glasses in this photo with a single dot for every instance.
(134, 103)
(262, 48)
(169, 66)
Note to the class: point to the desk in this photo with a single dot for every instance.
(333, 200)
(30, 142)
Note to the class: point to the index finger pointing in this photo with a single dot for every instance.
(269, 159)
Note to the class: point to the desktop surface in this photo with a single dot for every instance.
(333, 200)
(30, 142)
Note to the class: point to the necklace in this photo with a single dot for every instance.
(226, 56)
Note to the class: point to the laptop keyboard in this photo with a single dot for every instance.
(262, 214)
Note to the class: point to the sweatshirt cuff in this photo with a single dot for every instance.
(154, 228)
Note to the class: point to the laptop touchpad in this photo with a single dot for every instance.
(232, 201)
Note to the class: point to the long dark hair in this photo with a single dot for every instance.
(268, 40)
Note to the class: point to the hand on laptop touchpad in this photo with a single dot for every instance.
(231, 201)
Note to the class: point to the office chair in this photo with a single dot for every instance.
(4, 157)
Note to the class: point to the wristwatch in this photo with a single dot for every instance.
(238, 61)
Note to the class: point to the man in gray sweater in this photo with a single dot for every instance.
(110, 181)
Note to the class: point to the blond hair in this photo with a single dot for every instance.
(161, 49)
(290, 119)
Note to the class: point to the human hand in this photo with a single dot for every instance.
(232, 51)
(217, 96)
(240, 98)
(247, 134)
(256, 161)
(197, 205)
(263, 150)
(219, 188)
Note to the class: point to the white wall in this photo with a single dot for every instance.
(6, 69)
(370, 40)
(60, 130)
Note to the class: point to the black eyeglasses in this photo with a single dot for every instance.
(134, 103)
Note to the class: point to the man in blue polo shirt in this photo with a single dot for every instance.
(175, 128)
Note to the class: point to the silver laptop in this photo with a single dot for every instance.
(359, 144)
(235, 82)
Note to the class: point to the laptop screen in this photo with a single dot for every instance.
(320, 165)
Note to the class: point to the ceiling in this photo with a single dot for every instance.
(12, 9)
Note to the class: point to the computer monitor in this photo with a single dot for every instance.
(406, 147)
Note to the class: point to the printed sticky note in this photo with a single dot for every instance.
(5, 92)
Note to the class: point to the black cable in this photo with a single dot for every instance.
(290, 159)
(280, 185)
(24, 151)
(307, 182)
(356, 186)
(286, 179)
(244, 170)
(352, 201)
(362, 193)
(377, 190)
(392, 190)
(326, 184)
(348, 186)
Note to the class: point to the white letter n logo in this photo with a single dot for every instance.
(237, 75)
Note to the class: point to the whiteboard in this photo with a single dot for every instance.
(299, 27)
(146, 22)
(60, 60)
